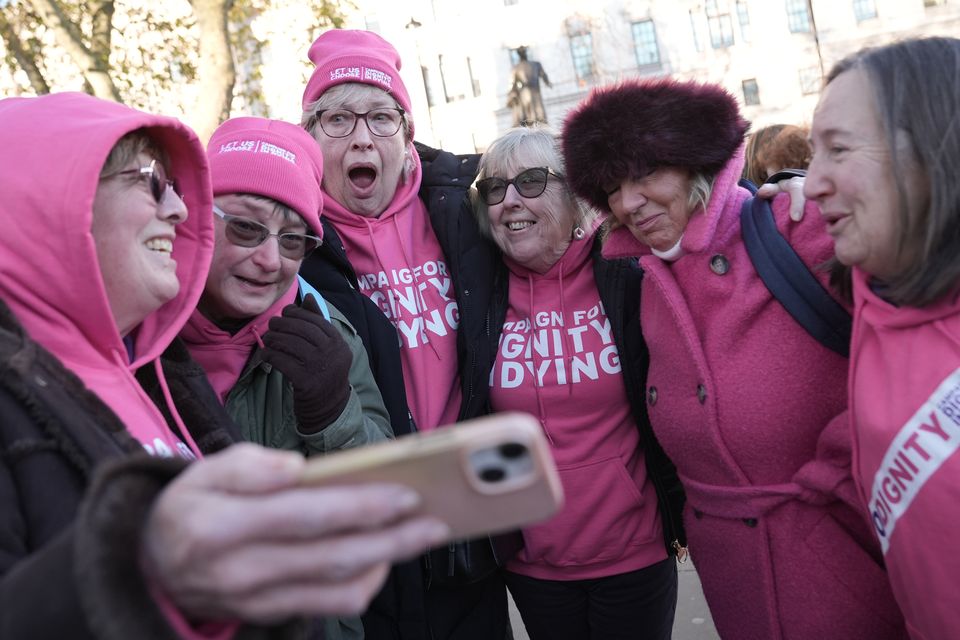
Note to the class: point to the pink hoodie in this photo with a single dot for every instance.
(558, 360)
(401, 268)
(905, 407)
(223, 355)
(56, 146)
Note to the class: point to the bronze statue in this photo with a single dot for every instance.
(524, 95)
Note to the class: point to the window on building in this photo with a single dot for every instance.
(457, 78)
(721, 31)
(798, 16)
(693, 29)
(645, 43)
(751, 92)
(864, 9)
(474, 81)
(934, 3)
(810, 80)
(508, 3)
(581, 48)
(743, 17)
(428, 87)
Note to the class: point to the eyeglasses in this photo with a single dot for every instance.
(339, 123)
(159, 183)
(245, 232)
(530, 183)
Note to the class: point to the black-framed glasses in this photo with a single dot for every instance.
(529, 183)
(156, 176)
(245, 232)
(339, 123)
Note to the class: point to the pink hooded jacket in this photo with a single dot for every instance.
(558, 360)
(751, 409)
(56, 146)
(905, 409)
(401, 268)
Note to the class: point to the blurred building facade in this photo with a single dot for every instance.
(458, 54)
(771, 54)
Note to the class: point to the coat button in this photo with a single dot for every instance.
(750, 522)
(652, 396)
(697, 514)
(719, 264)
(701, 393)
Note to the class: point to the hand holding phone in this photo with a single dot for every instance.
(482, 476)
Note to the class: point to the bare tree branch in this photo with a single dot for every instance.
(215, 70)
(24, 56)
(93, 64)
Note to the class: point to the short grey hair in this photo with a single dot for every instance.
(522, 148)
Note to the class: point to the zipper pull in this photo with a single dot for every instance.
(682, 553)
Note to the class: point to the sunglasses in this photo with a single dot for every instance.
(157, 177)
(530, 183)
(245, 232)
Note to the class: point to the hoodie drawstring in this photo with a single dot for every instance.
(541, 409)
(168, 398)
(567, 349)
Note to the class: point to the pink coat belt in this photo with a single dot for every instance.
(816, 483)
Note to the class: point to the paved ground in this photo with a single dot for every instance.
(692, 622)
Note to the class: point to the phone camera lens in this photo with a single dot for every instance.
(513, 450)
(493, 474)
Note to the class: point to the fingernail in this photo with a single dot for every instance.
(437, 530)
(406, 499)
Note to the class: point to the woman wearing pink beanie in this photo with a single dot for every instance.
(403, 259)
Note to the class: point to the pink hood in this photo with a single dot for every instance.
(223, 355)
(54, 147)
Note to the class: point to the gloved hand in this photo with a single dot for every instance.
(307, 349)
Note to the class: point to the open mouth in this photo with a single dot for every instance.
(362, 177)
(520, 225)
(160, 245)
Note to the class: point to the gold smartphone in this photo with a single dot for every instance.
(482, 476)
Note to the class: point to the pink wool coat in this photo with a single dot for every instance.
(752, 411)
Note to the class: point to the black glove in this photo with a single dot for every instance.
(309, 351)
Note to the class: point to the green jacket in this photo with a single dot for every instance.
(261, 403)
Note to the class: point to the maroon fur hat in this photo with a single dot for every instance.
(634, 127)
